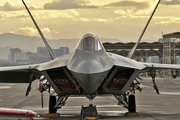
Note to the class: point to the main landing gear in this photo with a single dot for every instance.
(132, 104)
(128, 101)
(52, 108)
(56, 104)
(52, 103)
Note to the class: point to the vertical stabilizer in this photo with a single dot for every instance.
(42, 36)
(130, 54)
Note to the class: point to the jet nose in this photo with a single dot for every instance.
(90, 82)
(90, 68)
(90, 74)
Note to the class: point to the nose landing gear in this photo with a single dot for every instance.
(89, 113)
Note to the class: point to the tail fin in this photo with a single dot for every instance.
(130, 54)
(53, 56)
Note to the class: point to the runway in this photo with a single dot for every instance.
(150, 105)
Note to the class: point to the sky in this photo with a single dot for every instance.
(71, 19)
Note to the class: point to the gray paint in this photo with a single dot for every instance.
(90, 67)
(90, 82)
(90, 62)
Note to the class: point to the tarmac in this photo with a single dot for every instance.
(150, 105)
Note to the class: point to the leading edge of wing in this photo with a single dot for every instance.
(23, 68)
(22, 74)
(125, 62)
(160, 66)
(56, 63)
(19, 74)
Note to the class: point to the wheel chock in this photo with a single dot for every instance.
(90, 118)
(89, 113)
(52, 115)
(132, 114)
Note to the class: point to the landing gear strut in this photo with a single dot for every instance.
(89, 112)
(52, 103)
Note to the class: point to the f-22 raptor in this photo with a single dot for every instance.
(89, 71)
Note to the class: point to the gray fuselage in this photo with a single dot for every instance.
(90, 66)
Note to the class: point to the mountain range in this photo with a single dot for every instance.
(30, 44)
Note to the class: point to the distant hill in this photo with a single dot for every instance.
(28, 43)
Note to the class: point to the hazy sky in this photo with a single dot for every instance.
(120, 19)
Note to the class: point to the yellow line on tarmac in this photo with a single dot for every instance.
(34, 88)
(14, 95)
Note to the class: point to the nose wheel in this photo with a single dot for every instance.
(89, 113)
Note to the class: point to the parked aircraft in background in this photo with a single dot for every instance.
(88, 71)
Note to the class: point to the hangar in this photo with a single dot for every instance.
(168, 50)
(145, 49)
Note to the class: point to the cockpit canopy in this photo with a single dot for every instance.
(89, 42)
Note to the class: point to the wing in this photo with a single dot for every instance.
(121, 61)
(124, 62)
(19, 74)
(28, 73)
(150, 66)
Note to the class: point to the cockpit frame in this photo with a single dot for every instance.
(89, 42)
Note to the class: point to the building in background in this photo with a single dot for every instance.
(13, 51)
(42, 55)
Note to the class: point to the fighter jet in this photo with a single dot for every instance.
(89, 71)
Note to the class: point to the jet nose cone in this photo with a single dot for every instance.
(90, 82)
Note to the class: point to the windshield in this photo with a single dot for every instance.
(89, 42)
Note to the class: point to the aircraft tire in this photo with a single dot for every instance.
(174, 76)
(132, 104)
(52, 103)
